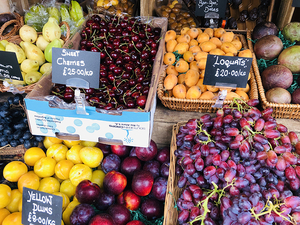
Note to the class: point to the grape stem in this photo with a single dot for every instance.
(269, 207)
(204, 203)
(206, 133)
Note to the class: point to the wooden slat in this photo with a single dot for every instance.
(285, 13)
(147, 7)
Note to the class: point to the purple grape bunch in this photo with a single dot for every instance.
(239, 167)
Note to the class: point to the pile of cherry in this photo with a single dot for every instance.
(240, 167)
(127, 48)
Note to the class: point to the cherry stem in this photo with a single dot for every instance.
(107, 53)
(135, 47)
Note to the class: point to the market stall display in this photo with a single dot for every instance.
(93, 181)
(181, 84)
(276, 69)
(239, 166)
(34, 53)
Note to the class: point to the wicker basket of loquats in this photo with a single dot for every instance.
(181, 78)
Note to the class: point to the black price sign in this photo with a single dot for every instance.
(41, 208)
(211, 6)
(296, 3)
(227, 71)
(9, 66)
(75, 64)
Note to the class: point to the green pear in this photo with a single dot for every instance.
(33, 52)
(32, 77)
(4, 42)
(29, 65)
(28, 33)
(2, 48)
(46, 68)
(41, 42)
(48, 51)
(11, 47)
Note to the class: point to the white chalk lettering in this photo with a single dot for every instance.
(38, 208)
(71, 53)
(62, 61)
(39, 198)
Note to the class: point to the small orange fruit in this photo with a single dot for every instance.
(193, 92)
(193, 32)
(170, 81)
(170, 46)
(182, 66)
(170, 35)
(203, 37)
(188, 56)
(169, 58)
(181, 48)
(171, 70)
(179, 91)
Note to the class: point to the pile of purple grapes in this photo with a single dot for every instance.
(240, 167)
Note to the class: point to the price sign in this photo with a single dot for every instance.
(75, 64)
(227, 71)
(296, 3)
(9, 66)
(211, 6)
(41, 208)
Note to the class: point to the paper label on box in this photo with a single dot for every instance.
(130, 133)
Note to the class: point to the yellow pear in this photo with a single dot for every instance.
(46, 68)
(29, 65)
(32, 77)
(41, 42)
(4, 43)
(33, 52)
(28, 33)
(11, 47)
(2, 48)
(62, 42)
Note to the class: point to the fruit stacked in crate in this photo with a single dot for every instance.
(185, 61)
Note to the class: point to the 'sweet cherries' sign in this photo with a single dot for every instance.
(41, 208)
(227, 71)
(9, 66)
(69, 63)
(211, 6)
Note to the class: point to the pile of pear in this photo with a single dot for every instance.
(34, 53)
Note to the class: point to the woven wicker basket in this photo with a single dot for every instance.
(173, 191)
(199, 105)
(16, 40)
(288, 111)
(18, 23)
(12, 153)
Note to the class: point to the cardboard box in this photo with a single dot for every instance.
(124, 127)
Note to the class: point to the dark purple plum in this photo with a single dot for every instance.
(82, 214)
(152, 208)
(146, 154)
(152, 166)
(159, 188)
(119, 213)
(120, 150)
(130, 165)
(163, 155)
(111, 162)
(87, 191)
(104, 201)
